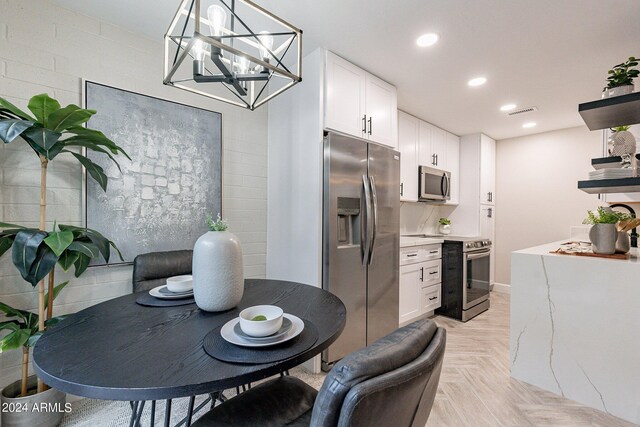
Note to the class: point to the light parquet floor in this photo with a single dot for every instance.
(476, 389)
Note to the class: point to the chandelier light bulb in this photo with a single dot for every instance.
(243, 64)
(199, 50)
(267, 45)
(217, 19)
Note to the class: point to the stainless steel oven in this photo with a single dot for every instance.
(476, 281)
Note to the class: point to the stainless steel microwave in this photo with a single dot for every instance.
(434, 184)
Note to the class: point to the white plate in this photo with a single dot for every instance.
(229, 334)
(155, 292)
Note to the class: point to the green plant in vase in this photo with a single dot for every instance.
(622, 75)
(51, 131)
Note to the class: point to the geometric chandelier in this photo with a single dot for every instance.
(231, 50)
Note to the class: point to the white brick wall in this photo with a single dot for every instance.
(44, 48)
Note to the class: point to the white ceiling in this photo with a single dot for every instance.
(546, 53)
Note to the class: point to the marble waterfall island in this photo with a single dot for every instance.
(575, 327)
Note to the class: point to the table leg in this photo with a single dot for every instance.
(167, 413)
(153, 414)
(134, 412)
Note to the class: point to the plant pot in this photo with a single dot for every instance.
(218, 279)
(445, 229)
(44, 409)
(623, 243)
(617, 91)
(603, 238)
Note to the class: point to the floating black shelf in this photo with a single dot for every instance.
(611, 112)
(618, 185)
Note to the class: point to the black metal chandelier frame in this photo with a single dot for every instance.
(237, 83)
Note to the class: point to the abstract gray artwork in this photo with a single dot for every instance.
(174, 179)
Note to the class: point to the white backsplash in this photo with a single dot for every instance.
(422, 218)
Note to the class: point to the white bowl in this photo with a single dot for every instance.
(180, 283)
(261, 328)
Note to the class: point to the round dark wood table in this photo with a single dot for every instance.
(119, 350)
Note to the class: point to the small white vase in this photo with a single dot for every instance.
(445, 229)
(218, 279)
(617, 91)
(603, 238)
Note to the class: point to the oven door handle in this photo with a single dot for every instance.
(479, 254)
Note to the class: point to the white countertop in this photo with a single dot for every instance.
(406, 241)
(547, 248)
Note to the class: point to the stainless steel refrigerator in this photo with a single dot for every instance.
(361, 237)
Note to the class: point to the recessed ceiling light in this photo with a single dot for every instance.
(478, 81)
(508, 107)
(428, 39)
(529, 125)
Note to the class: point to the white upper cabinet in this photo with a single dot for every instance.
(422, 144)
(381, 109)
(358, 103)
(345, 100)
(453, 166)
(487, 170)
(408, 146)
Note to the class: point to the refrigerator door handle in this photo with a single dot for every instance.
(375, 216)
(365, 238)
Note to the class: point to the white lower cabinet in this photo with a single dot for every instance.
(420, 281)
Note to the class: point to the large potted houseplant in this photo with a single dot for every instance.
(49, 130)
(620, 80)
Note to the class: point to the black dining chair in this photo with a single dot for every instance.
(153, 269)
(392, 382)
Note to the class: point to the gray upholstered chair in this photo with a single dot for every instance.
(392, 382)
(153, 269)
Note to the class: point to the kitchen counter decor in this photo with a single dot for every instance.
(603, 233)
(444, 226)
(218, 278)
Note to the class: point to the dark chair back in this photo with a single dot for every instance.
(391, 382)
(153, 269)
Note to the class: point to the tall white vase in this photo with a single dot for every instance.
(218, 279)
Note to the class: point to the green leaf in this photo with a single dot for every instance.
(96, 172)
(11, 129)
(58, 241)
(81, 264)
(45, 262)
(67, 259)
(10, 311)
(8, 225)
(89, 249)
(91, 146)
(95, 137)
(25, 251)
(55, 320)
(14, 340)
(5, 244)
(43, 137)
(56, 292)
(7, 106)
(55, 150)
(113, 245)
(42, 106)
(9, 324)
(67, 117)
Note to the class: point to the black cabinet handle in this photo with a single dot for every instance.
(370, 126)
(402, 188)
(433, 252)
(436, 160)
(434, 272)
(432, 298)
(422, 274)
(364, 124)
(411, 255)
(433, 159)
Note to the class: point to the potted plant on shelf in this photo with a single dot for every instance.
(50, 130)
(444, 225)
(603, 233)
(620, 80)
